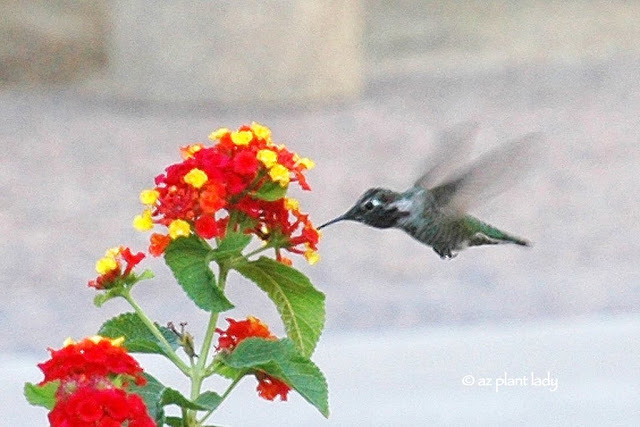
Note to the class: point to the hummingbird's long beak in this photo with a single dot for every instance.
(340, 218)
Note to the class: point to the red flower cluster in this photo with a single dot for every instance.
(91, 357)
(239, 330)
(107, 407)
(88, 395)
(268, 387)
(110, 269)
(199, 194)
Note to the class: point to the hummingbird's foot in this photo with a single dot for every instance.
(445, 253)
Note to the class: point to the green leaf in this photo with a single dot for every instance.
(270, 191)
(174, 422)
(145, 275)
(225, 370)
(207, 401)
(282, 360)
(151, 393)
(156, 396)
(234, 241)
(232, 245)
(137, 336)
(42, 395)
(300, 305)
(178, 422)
(187, 258)
(100, 299)
(229, 372)
(116, 289)
(174, 397)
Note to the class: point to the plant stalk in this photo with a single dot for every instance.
(200, 371)
(169, 352)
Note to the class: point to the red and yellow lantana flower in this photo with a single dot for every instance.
(110, 267)
(199, 194)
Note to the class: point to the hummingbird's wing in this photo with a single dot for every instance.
(490, 175)
(453, 148)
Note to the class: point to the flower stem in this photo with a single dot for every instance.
(243, 257)
(168, 351)
(224, 395)
(200, 371)
(257, 251)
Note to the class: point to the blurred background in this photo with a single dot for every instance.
(96, 97)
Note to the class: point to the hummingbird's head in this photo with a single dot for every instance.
(375, 208)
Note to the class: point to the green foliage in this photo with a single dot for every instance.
(187, 257)
(42, 395)
(231, 246)
(282, 360)
(300, 305)
(234, 241)
(100, 299)
(116, 289)
(137, 336)
(173, 422)
(151, 393)
(225, 370)
(207, 401)
(156, 396)
(270, 191)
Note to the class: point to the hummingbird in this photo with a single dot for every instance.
(434, 210)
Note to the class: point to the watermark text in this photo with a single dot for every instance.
(507, 380)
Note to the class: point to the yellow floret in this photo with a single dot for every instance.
(196, 178)
(106, 265)
(178, 228)
(97, 339)
(188, 151)
(267, 157)
(113, 252)
(311, 256)
(243, 137)
(280, 174)
(217, 134)
(149, 197)
(116, 342)
(307, 163)
(291, 204)
(261, 131)
(144, 221)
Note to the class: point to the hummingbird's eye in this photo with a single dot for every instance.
(369, 205)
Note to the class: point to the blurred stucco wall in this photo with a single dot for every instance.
(567, 68)
(295, 50)
(52, 42)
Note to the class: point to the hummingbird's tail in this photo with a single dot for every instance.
(486, 234)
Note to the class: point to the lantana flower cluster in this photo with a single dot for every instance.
(224, 185)
(94, 376)
(91, 406)
(237, 331)
(115, 267)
